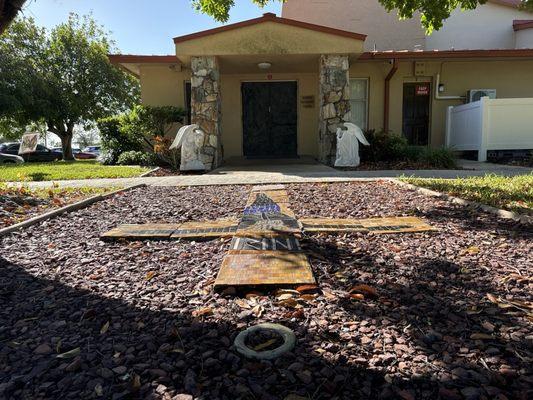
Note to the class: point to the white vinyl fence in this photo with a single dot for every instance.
(490, 124)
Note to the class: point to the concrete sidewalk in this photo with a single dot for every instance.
(286, 173)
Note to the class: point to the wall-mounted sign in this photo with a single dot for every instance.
(29, 143)
(308, 101)
(422, 90)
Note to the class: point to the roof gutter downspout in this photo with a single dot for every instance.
(387, 94)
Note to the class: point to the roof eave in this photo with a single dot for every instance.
(270, 17)
(437, 54)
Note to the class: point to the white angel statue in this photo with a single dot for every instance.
(348, 145)
(191, 139)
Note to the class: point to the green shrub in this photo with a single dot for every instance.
(391, 147)
(115, 139)
(439, 158)
(137, 158)
(384, 146)
(138, 130)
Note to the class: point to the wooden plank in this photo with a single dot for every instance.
(374, 225)
(396, 225)
(141, 231)
(244, 268)
(206, 229)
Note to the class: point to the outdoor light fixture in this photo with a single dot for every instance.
(441, 87)
(264, 65)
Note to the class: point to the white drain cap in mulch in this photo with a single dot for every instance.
(289, 341)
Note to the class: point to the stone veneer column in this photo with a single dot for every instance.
(334, 103)
(205, 107)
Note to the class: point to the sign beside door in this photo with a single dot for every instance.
(422, 89)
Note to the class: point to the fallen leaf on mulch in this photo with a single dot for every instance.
(243, 304)
(150, 275)
(262, 346)
(258, 310)
(290, 303)
(525, 307)
(306, 289)
(70, 354)
(481, 336)
(136, 383)
(98, 390)
(284, 296)
(298, 314)
(366, 290)
(471, 250)
(308, 297)
(202, 312)
(517, 278)
(104, 328)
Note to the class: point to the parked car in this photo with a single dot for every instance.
(77, 153)
(83, 155)
(41, 153)
(10, 159)
(75, 150)
(92, 149)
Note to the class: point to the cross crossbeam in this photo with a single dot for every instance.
(265, 249)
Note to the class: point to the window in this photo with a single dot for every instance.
(359, 102)
(188, 100)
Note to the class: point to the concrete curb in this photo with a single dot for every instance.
(521, 218)
(71, 207)
(149, 172)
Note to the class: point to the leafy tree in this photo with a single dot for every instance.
(84, 137)
(62, 77)
(143, 129)
(433, 12)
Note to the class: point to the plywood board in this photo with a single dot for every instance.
(206, 229)
(374, 225)
(141, 231)
(396, 225)
(264, 268)
(331, 225)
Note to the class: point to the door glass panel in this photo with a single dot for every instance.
(359, 102)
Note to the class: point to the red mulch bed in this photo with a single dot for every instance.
(140, 319)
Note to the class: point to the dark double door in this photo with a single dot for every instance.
(269, 113)
(416, 99)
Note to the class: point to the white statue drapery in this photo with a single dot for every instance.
(348, 145)
(191, 139)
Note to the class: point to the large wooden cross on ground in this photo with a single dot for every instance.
(265, 249)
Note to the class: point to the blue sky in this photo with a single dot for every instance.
(136, 27)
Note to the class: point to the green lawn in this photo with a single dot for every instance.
(514, 194)
(62, 170)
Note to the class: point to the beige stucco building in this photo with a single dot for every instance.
(275, 87)
(489, 26)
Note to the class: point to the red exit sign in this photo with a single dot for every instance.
(422, 90)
